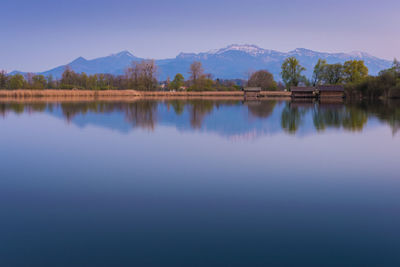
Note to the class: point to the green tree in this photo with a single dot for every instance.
(263, 79)
(354, 71)
(291, 72)
(68, 79)
(16, 81)
(396, 66)
(199, 81)
(178, 82)
(38, 82)
(3, 79)
(319, 70)
(83, 81)
(333, 73)
(395, 69)
(92, 82)
(51, 84)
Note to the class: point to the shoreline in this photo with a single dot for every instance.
(90, 94)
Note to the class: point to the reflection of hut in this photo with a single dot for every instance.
(309, 103)
(303, 92)
(252, 92)
(331, 101)
(336, 91)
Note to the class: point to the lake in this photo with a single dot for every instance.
(199, 183)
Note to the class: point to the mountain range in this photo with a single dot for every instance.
(231, 62)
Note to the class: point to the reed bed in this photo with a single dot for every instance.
(28, 100)
(66, 93)
(90, 94)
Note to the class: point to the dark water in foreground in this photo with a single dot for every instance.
(200, 183)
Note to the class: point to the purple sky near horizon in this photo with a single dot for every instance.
(42, 34)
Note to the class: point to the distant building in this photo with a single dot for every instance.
(335, 91)
(251, 92)
(303, 92)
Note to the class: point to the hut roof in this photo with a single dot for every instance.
(331, 88)
(302, 89)
(252, 89)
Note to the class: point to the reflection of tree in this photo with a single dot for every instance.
(292, 118)
(18, 108)
(350, 118)
(142, 114)
(354, 119)
(393, 118)
(38, 107)
(70, 110)
(262, 109)
(387, 111)
(198, 110)
(323, 118)
(3, 109)
(178, 105)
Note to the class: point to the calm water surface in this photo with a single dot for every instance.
(199, 183)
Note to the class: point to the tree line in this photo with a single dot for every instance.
(349, 72)
(353, 74)
(139, 76)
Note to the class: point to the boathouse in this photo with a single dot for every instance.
(303, 92)
(251, 92)
(334, 91)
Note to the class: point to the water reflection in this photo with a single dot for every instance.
(261, 109)
(226, 117)
(293, 117)
(76, 189)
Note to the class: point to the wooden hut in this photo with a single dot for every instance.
(252, 92)
(303, 92)
(331, 91)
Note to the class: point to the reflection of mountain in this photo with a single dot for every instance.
(227, 118)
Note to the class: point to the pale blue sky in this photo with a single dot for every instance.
(41, 34)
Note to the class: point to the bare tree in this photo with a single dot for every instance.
(196, 71)
(142, 75)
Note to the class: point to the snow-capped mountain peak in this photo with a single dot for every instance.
(124, 53)
(359, 54)
(231, 62)
(249, 49)
(303, 52)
